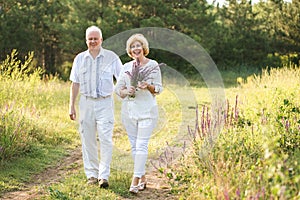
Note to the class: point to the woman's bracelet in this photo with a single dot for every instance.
(151, 88)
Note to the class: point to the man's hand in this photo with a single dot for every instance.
(72, 113)
(73, 94)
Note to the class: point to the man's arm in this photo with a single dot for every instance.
(74, 90)
(117, 68)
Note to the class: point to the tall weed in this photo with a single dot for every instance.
(257, 155)
(27, 102)
(16, 133)
(13, 69)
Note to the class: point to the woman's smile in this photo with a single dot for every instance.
(137, 52)
(137, 49)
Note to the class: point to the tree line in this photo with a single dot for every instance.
(238, 33)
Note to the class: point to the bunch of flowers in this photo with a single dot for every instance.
(141, 74)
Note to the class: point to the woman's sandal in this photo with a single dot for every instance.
(142, 186)
(134, 189)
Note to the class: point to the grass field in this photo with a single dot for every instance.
(256, 155)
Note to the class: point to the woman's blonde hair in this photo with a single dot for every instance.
(140, 38)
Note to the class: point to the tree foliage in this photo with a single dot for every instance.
(239, 33)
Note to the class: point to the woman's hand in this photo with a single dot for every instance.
(142, 85)
(145, 85)
(127, 91)
(131, 91)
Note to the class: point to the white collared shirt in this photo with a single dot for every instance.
(95, 76)
(144, 104)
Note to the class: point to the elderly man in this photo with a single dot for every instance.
(92, 76)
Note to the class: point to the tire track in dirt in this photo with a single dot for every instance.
(157, 187)
(46, 178)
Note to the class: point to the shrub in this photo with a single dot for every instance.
(288, 119)
(16, 131)
(257, 154)
(13, 69)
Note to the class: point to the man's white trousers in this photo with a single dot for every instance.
(96, 116)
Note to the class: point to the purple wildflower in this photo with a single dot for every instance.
(226, 194)
(139, 74)
(238, 193)
(236, 111)
(287, 125)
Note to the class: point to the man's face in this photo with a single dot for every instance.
(93, 40)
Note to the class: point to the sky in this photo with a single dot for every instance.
(221, 2)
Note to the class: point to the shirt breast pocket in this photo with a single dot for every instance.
(106, 72)
(83, 75)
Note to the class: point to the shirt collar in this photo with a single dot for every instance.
(87, 53)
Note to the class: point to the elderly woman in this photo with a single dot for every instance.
(138, 84)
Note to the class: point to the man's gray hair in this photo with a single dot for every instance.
(91, 29)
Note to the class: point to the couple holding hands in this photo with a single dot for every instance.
(138, 82)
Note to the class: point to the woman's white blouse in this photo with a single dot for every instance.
(143, 105)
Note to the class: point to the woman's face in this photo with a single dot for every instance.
(136, 50)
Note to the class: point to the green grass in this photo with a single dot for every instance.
(75, 187)
(17, 173)
(48, 134)
(35, 128)
(256, 154)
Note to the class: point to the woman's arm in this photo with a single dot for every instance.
(121, 88)
(156, 86)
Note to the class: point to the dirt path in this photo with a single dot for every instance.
(48, 177)
(157, 187)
